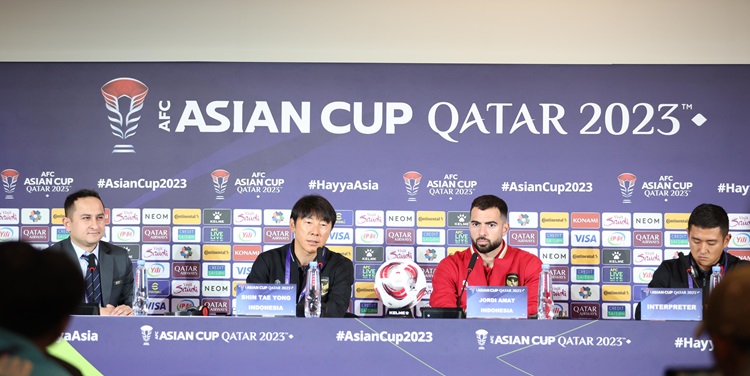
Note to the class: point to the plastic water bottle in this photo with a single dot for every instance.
(546, 309)
(140, 290)
(312, 295)
(715, 278)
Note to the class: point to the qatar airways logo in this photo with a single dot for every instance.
(35, 234)
(399, 236)
(739, 221)
(647, 238)
(522, 238)
(372, 218)
(124, 123)
(277, 235)
(156, 234)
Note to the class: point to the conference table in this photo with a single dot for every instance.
(216, 345)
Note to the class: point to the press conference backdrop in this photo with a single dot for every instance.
(200, 163)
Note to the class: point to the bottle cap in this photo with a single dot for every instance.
(141, 263)
(716, 269)
(545, 266)
(313, 263)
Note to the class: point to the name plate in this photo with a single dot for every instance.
(672, 304)
(261, 299)
(496, 302)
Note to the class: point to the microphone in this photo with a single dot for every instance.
(691, 273)
(92, 264)
(466, 281)
(320, 258)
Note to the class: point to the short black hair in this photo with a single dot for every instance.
(490, 201)
(42, 288)
(83, 193)
(314, 206)
(709, 216)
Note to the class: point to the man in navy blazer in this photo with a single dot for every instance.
(84, 219)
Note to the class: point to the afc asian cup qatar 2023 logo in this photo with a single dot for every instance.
(627, 186)
(220, 179)
(10, 178)
(411, 180)
(125, 120)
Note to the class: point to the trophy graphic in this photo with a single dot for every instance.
(124, 127)
(481, 338)
(220, 179)
(10, 178)
(627, 184)
(411, 180)
(146, 334)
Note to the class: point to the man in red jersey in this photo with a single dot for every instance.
(498, 264)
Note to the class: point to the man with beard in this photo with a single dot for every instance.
(498, 264)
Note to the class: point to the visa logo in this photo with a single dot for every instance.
(339, 236)
(586, 239)
(157, 306)
(242, 270)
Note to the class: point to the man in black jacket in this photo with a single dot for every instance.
(708, 236)
(312, 220)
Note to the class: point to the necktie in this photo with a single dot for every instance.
(93, 284)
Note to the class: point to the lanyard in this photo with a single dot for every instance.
(690, 275)
(287, 269)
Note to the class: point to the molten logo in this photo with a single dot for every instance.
(220, 179)
(411, 181)
(10, 178)
(627, 186)
(121, 126)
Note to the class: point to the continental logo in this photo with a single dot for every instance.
(186, 216)
(365, 290)
(345, 251)
(584, 256)
(217, 252)
(676, 221)
(430, 219)
(616, 293)
(57, 216)
(554, 220)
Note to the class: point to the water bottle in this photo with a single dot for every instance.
(715, 278)
(312, 295)
(546, 309)
(140, 290)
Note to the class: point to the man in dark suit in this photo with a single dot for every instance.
(110, 269)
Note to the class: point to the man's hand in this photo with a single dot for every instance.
(14, 366)
(121, 310)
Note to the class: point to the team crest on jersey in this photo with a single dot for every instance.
(511, 280)
(324, 285)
